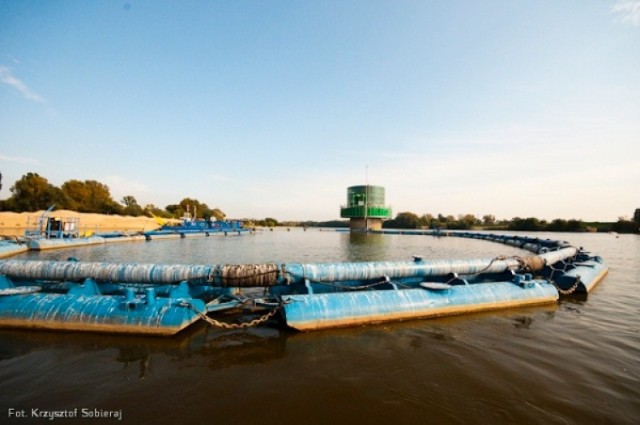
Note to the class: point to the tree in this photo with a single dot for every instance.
(131, 206)
(175, 210)
(101, 201)
(3, 204)
(636, 215)
(90, 196)
(218, 214)
(529, 224)
(151, 210)
(558, 225)
(33, 193)
(76, 192)
(195, 208)
(575, 226)
(129, 201)
(270, 222)
(428, 220)
(624, 226)
(488, 220)
(404, 220)
(470, 220)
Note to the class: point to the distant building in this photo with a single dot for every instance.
(365, 207)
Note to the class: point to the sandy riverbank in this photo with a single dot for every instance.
(14, 224)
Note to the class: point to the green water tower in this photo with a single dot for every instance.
(365, 207)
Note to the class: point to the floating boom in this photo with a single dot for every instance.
(262, 275)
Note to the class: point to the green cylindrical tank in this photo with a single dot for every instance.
(371, 195)
(365, 201)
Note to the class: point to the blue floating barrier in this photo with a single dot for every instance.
(162, 299)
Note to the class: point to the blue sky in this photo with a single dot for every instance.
(274, 108)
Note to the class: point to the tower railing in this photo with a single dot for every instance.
(372, 211)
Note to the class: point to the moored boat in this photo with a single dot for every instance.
(55, 232)
(190, 226)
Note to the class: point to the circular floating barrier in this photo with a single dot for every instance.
(20, 290)
(435, 286)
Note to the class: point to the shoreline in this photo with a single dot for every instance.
(15, 224)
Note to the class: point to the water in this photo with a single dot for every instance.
(576, 362)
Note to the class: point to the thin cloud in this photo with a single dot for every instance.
(629, 11)
(19, 160)
(9, 79)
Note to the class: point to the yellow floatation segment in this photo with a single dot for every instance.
(158, 220)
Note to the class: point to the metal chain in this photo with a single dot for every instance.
(560, 290)
(353, 288)
(224, 325)
(567, 291)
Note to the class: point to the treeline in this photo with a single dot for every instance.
(408, 220)
(623, 225)
(33, 192)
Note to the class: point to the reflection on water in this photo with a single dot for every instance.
(223, 348)
(361, 246)
(226, 348)
(571, 362)
(132, 355)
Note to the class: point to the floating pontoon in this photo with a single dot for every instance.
(164, 299)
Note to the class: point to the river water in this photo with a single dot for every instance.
(575, 362)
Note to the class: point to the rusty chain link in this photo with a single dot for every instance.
(567, 291)
(560, 290)
(224, 325)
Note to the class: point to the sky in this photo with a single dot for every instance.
(274, 108)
